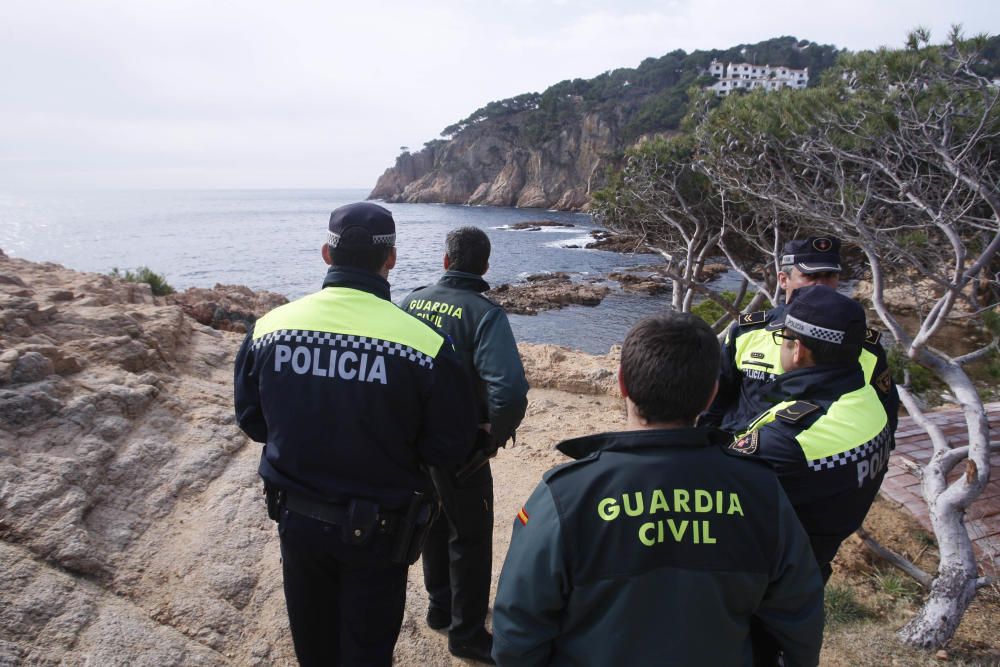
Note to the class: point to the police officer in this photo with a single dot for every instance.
(458, 554)
(657, 544)
(828, 437)
(750, 361)
(352, 398)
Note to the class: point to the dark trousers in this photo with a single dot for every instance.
(458, 554)
(345, 602)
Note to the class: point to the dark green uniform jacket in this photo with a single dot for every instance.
(829, 440)
(352, 396)
(751, 362)
(481, 334)
(655, 548)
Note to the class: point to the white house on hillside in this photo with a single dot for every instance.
(747, 76)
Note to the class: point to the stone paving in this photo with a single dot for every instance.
(914, 447)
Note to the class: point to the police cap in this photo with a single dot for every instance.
(820, 312)
(815, 254)
(371, 224)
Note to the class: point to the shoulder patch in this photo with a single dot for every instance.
(872, 336)
(796, 412)
(756, 317)
(747, 444)
(522, 516)
(884, 381)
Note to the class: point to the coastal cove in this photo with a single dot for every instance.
(269, 240)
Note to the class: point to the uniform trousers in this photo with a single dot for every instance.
(345, 602)
(458, 554)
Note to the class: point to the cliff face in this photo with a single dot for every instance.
(494, 165)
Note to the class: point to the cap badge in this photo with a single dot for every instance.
(822, 245)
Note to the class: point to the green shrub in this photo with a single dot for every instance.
(144, 274)
(710, 311)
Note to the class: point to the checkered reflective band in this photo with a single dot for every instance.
(813, 331)
(853, 455)
(345, 342)
(378, 239)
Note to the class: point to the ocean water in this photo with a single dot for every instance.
(271, 239)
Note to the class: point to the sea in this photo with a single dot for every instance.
(271, 240)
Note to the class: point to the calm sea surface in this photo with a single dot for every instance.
(270, 239)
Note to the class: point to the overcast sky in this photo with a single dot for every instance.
(320, 93)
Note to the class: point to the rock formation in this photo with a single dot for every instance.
(546, 292)
(498, 167)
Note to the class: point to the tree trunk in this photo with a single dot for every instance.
(937, 621)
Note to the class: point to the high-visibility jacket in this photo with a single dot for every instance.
(828, 439)
(751, 363)
(351, 396)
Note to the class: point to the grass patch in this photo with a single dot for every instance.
(144, 274)
(842, 606)
(894, 584)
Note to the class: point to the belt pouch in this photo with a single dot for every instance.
(362, 516)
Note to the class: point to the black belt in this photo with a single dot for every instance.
(331, 513)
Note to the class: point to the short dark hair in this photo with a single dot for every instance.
(356, 250)
(468, 250)
(830, 354)
(670, 363)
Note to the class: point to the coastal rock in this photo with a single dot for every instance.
(226, 307)
(536, 225)
(132, 530)
(556, 367)
(546, 292)
(501, 168)
(613, 242)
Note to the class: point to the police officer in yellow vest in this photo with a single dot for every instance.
(353, 399)
(827, 437)
(750, 361)
(657, 544)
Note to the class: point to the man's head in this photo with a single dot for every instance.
(811, 261)
(669, 368)
(362, 236)
(820, 327)
(467, 249)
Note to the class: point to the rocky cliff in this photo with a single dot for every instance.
(498, 167)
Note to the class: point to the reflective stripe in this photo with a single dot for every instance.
(762, 342)
(853, 419)
(867, 361)
(354, 313)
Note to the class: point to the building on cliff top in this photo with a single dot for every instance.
(747, 76)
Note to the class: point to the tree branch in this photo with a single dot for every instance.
(893, 558)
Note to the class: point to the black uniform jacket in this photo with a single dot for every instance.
(656, 547)
(351, 395)
(482, 336)
(829, 440)
(751, 362)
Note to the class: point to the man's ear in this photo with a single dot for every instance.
(326, 254)
(621, 383)
(715, 390)
(783, 280)
(801, 355)
(447, 261)
(390, 262)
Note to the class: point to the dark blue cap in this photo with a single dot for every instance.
(371, 225)
(821, 312)
(815, 254)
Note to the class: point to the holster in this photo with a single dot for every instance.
(413, 528)
(275, 498)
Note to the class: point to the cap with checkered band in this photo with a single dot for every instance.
(820, 312)
(361, 225)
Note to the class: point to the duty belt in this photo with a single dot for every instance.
(336, 515)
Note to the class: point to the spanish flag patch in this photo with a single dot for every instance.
(522, 516)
